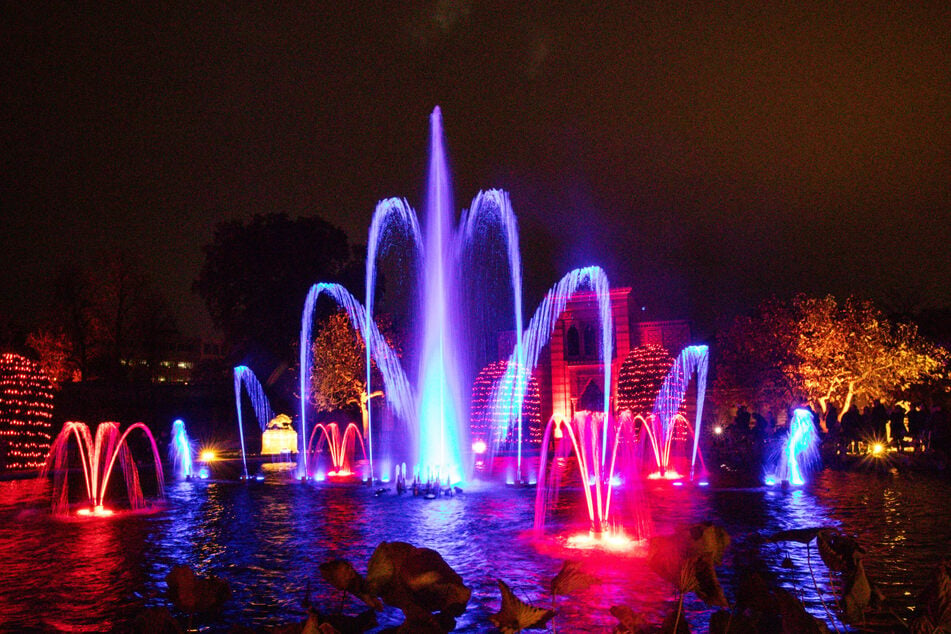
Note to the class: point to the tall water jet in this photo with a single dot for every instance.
(98, 459)
(800, 450)
(398, 391)
(180, 451)
(439, 407)
(244, 376)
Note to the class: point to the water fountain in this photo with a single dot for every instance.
(244, 376)
(340, 446)
(180, 451)
(98, 459)
(800, 451)
(667, 426)
(434, 411)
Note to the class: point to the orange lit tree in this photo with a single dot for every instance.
(338, 378)
(823, 351)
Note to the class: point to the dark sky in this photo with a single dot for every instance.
(706, 156)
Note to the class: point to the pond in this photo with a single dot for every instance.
(268, 538)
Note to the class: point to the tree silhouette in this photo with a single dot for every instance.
(256, 275)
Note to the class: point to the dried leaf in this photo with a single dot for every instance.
(341, 574)
(516, 615)
(193, 594)
(839, 552)
(857, 594)
(795, 618)
(707, 585)
(630, 622)
(708, 538)
(571, 578)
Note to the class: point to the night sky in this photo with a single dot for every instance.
(708, 157)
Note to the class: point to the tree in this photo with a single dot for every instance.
(824, 351)
(256, 275)
(102, 313)
(338, 377)
(850, 350)
(755, 358)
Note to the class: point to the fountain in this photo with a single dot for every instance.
(667, 426)
(180, 451)
(799, 453)
(340, 446)
(98, 459)
(433, 412)
(243, 376)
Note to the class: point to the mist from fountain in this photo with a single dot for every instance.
(180, 451)
(98, 459)
(244, 376)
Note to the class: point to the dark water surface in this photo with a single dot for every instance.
(267, 539)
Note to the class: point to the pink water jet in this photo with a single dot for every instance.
(98, 459)
(340, 446)
(577, 452)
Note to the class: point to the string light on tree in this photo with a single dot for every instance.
(641, 376)
(26, 413)
(482, 420)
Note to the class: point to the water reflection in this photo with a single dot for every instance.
(267, 539)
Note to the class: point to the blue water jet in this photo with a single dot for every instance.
(800, 450)
(180, 450)
(243, 376)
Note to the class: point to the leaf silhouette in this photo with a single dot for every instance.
(801, 535)
(857, 595)
(571, 578)
(839, 552)
(193, 594)
(343, 576)
(515, 615)
(629, 622)
(707, 585)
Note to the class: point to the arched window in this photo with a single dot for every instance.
(590, 342)
(572, 343)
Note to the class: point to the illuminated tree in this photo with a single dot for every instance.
(850, 350)
(640, 378)
(484, 420)
(26, 413)
(338, 377)
(103, 313)
(824, 351)
(755, 359)
(57, 354)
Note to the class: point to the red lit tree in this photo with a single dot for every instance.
(483, 419)
(640, 378)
